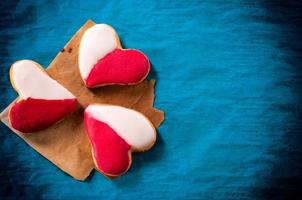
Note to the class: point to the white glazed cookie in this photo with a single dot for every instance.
(114, 133)
(102, 61)
(42, 102)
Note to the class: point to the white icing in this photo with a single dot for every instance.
(130, 125)
(31, 81)
(97, 42)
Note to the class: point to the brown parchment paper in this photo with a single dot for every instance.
(66, 144)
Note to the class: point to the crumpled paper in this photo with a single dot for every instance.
(66, 144)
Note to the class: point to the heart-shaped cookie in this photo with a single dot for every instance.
(42, 102)
(115, 132)
(102, 61)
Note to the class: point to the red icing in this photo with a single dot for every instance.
(109, 149)
(119, 67)
(33, 115)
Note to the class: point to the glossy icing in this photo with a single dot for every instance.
(123, 67)
(130, 125)
(111, 152)
(30, 80)
(33, 115)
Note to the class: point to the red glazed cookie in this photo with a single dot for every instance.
(42, 102)
(102, 61)
(115, 132)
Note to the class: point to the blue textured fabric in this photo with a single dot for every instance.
(228, 78)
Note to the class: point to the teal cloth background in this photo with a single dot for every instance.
(228, 78)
